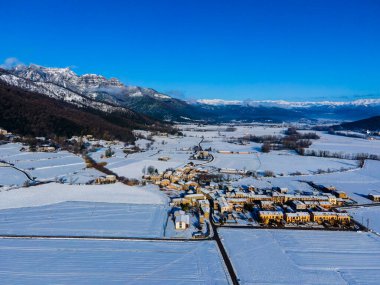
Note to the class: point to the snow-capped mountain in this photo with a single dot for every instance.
(65, 84)
(289, 104)
(110, 95)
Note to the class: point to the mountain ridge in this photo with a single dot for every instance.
(111, 95)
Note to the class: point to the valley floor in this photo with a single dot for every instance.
(63, 205)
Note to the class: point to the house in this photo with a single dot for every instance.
(182, 222)
(205, 207)
(3, 132)
(223, 205)
(156, 179)
(266, 205)
(270, 216)
(165, 183)
(298, 205)
(298, 217)
(282, 190)
(108, 179)
(343, 218)
(173, 186)
(341, 194)
(179, 201)
(311, 204)
(331, 198)
(193, 198)
(258, 197)
(320, 217)
(111, 178)
(190, 185)
(163, 158)
(374, 197)
(46, 148)
(201, 155)
(325, 205)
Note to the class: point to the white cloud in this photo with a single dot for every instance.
(10, 62)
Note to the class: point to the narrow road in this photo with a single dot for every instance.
(225, 256)
(375, 204)
(121, 238)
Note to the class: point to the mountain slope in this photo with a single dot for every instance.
(93, 90)
(371, 124)
(31, 113)
(110, 95)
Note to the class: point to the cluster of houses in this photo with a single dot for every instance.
(279, 216)
(276, 205)
(267, 206)
(201, 155)
(180, 179)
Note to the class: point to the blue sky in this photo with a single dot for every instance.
(294, 50)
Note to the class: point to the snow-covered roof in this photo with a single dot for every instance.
(183, 219)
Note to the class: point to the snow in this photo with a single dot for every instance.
(45, 166)
(357, 183)
(289, 104)
(280, 162)
(132, 166)
(303, 257)
(363, 213)
(53, 193)
(86, 219)
(349, 145)
(11, 176)
(110, 262)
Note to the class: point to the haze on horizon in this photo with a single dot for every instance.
(233, 50)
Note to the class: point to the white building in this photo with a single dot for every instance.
(182, 222)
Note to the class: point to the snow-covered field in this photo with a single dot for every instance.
(11, 176)
(303, 257)
(110, 262)
(178, 149)
(86, 219)
(356, 183)
(370, 214)
(280, 162)
(44, 166)
(90, 210)
(53, 193)
(343, 144)
(132, 166)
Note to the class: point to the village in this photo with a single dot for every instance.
(247, 206)
(202, 196)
